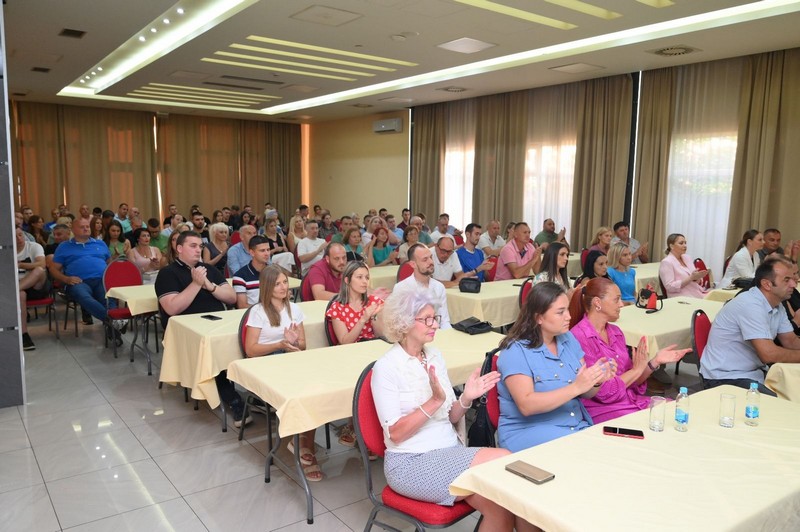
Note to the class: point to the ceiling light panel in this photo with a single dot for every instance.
(501, 9)
(586, 8)
(275, 69)
(466, 45)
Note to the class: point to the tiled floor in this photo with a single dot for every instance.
(99, 447)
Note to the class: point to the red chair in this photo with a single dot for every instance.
(725, 264)
(249, 399)
(405, 270)
(49, 304)
(328, 238)
(121, 272)
(459, 240)
(701, 326)
(492, 396)
(369, 434)
(493, 271)
(527, 284)
(330, 334)
(705, 282)
(584, 254)
(235, 238)
(305, 291)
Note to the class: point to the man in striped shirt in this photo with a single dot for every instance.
(245, 281)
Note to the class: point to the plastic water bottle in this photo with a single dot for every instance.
(751, 409)
(682, 410)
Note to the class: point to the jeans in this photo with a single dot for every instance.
(739, 383)
(227, 391)
(91, 296)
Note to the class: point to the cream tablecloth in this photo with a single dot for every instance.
(196, 349)
(574, 268)
(709, 478)
(497, 303)
(383, 276)
(721, 294)
(311, 388)
(647, 274)
(671, 325)
(784, 379)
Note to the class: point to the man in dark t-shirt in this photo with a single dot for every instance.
(187, 286)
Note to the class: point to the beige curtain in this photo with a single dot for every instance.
(601, 162)
(109, 158)
(656, 116)
(765, 178)
(38, 156)
(427, 157)
(270, 168)
(500, 144)
(198, 158)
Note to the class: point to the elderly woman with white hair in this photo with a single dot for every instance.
(215, 252)
(415, 402)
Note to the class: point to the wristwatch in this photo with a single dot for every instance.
(651, 366)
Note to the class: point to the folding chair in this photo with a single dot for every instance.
(121, 272)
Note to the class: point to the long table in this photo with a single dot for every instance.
(670, 325)
(497, 303)
(196, 350)
(784, 379)
(709, 478)
(722, 294)
(647, 274)
(383, 276)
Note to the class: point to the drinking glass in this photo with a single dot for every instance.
(658, 407)
(727, 410)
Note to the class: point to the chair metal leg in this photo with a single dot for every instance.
(327, 435)
(224, 416)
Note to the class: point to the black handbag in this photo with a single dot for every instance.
(481, 432)
(473, 326)
(648, 299)
(469, 285)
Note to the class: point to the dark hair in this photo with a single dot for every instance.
(108, 214)
(540, 298)
(406, 210)
(407, 230)
(588, 267)
(550, 263)
(343, 296)
(97, 211)
(470, 227)
(413, 250)
(766, 270)
(621, 224)
(153, 222)
(750, 234)
(345, 217)
(187, 234)
(107, 236)
(137, 233)
(770, 231)
(302, 206)
(671, 240)
(121, 204)
(257, 241)
(582, 298)
(377, 232)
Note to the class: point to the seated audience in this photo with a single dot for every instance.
(772, 244)
(535, 407)
(742, 338)
(518, 258)
(122, 217)
(246, 279)
(418, 409)
(311, 249)
(510, 231)
(391, 225)
(97, 230)
(374, 223)
(421, 259)
(353, 312)
(345, 224)
(593, 311)
(187, 286)
(296, 232)
(215, 252)
(424, 237)
(327, 228)
(619, 270)
(596, 266)
(792, 305)
(352, 244)
(744, 262)
(275, 324)
(239, 253)
(37, 230)
(622, 232)
(173, 210)
(325, 277)
(554, 267)
(32, 278)
(146, 257)
(677, 271)
(199, 225)
(602, 240)
(117, 245)
(491, 243)
(54, 216)
(548, 234)
(278, 247)
(410, 237)
(378, 251)
(157, 238)
(175, 221)
(473, 263)
(442, 229)
(446, 266)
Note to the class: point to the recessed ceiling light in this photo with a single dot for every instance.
(141, 38)
(466, 45)
(153, 30)
(99, 69)
(519, 13)
(181, 11)
(165, 21)
(577, 68)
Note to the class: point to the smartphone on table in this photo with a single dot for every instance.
(623, 433)
(530, 472)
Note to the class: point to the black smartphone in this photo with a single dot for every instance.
(530, 472)
(210, 317)
(624, 433)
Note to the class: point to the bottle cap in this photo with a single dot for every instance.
(683, 390)
(754, 386)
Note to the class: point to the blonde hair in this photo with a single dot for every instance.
(216, 228)
(614, 254)
(600, 231)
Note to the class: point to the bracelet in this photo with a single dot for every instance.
(214, 290)
(651, 366)
(462, 404)
(424, 412)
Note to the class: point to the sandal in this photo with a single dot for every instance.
(313, 473)
(347, 436)
(304, 452)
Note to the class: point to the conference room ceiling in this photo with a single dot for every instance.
(310, 61)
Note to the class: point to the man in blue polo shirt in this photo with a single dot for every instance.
(742, 338)
(473, 262)
(246, 280)
(79, 264)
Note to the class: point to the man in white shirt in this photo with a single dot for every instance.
(311, 248)
(421, 259)
(32, 281)
(446, 266)
(441, 229)
(491, 242)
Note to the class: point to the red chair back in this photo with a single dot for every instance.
(459, 240)
(524, 290)
(330, 334)
(725, 264)
(493, 397)
(243, 331)
(705, 282)
(121, 272)
(584, 254)
(405, 270)
(235, 238)
(701, 327)
(328, 238)
(365, 417)
(493, 271)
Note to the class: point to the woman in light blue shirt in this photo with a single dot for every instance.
(620, 271)
(543, 376)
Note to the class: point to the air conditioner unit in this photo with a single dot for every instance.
(389, 125)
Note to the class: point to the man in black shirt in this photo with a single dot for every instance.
(187, 286)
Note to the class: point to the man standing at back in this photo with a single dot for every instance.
(518, 258)
(421, 259)
(187, 286)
